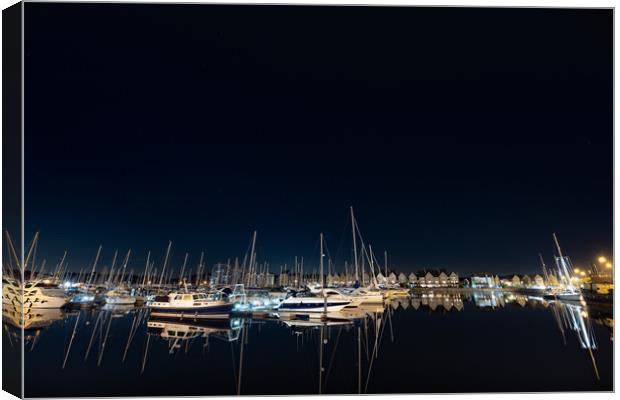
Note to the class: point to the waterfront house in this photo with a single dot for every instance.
(538, 281)
(402, 278)
(431, 281)
(454, 280)
(443, 279)
(516, 281)
(526, 281)
(392, 278)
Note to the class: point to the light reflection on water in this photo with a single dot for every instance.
(428, 342)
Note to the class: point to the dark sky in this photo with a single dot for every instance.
(462, 137)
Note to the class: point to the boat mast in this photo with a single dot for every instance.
(183, 269)
(323, 276)
(354, 244)
(544, 268)
(111, 275)
(163, 268)
(562, 263)
(92, 273)
(125, 262)
(386, 267)
(146, 269)
(252, 257)
(199, 268)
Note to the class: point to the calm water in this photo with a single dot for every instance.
(444, 343)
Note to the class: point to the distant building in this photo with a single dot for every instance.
(434, 279)
(539, 281)
(402, 278)
(443, 279)
(453, 280)
(431, 280)
(516, 280)
(482, 280)
(526, 281)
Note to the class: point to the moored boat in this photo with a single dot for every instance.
(567, 290)
(82, 300)
(119, 297)
(32, 295)
(191, 305)
(312, 304)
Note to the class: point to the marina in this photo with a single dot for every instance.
(231, 330)
(441, 342)
(306, 199)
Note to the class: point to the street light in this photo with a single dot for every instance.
(602, 259)
(608, 265)
(577, 270)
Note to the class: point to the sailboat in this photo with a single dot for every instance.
(568, 291)
(319, 303)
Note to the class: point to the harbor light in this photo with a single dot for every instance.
(577, 270)
(608, 265)
(583, 273)
(602, 259)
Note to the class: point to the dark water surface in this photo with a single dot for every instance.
(444, 343)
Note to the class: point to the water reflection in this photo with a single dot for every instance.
(32, 323)
(445, 301)
(127, 334)
(182, 333)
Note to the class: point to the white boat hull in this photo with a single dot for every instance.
(120, 300)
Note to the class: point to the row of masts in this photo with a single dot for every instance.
(563, 268)
(250, 272)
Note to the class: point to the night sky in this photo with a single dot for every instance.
(462, 137)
